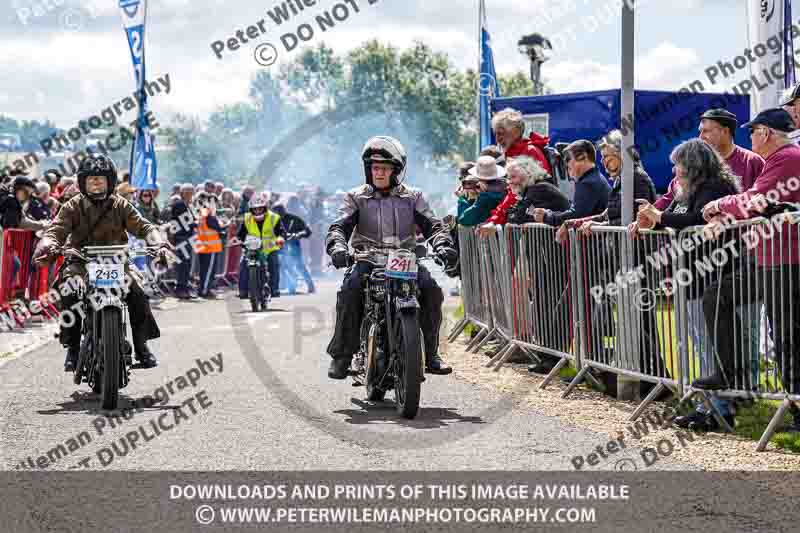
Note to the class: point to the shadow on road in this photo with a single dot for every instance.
(91, 403)
(427, 418)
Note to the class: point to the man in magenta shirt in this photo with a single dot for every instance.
(774, 276)
(718, 128)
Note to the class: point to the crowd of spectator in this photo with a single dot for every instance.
(715, 182)
(31, 202)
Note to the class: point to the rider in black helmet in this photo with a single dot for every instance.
(98, 217)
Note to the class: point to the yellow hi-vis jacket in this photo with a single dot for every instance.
(266, 232)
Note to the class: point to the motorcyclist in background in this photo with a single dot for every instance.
(384, 210)
(265, 224)
(98, 217)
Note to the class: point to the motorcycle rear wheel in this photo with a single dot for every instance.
(110, 320)
(408, 365)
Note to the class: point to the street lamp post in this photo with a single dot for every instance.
(538, 50)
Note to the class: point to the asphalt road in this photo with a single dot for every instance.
(271, 407)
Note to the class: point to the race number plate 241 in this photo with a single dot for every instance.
(401, 264)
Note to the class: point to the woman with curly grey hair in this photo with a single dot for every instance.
(531, 183)
(702, 177)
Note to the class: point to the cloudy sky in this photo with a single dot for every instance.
(66, 60)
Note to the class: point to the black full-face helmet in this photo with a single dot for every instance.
(97, 165)
(383, 149)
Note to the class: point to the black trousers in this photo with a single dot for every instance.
(143, 323)
(207, 272)
(350, 308)
(779, 288)
(183, 269)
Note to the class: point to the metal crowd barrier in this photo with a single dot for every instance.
(500, 270)
(628, 320)
(15, 267)
(745, 291)
(664, 308)
(543, 300)
(475, 289)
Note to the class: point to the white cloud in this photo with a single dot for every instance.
(665, 67)
(66, 76)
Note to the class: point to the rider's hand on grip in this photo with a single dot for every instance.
(339, 259)
(44, 254)
(448, 258)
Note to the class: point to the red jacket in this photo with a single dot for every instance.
(500, 213)
(532, 146)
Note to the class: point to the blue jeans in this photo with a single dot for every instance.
(701, 343)
(292, 266)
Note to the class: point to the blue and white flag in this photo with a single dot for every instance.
(488, 87)
(767, 19)
(143, 168)
(788, 49)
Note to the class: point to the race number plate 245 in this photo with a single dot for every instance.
(106, 276)
(402, 265)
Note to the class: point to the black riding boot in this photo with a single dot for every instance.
(72, 359)
(430, 321)
(70, 336)
(345, 341)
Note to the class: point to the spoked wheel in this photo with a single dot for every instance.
(374, 392)
(110, 320)
(255, 288)
(408, 365)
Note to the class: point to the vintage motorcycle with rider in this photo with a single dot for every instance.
(96, 290)
(386, 297)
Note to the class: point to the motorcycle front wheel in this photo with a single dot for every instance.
(110, 321)
(374, 392)
(255, 288)
(408, 365)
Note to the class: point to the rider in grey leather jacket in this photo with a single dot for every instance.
(385, 211)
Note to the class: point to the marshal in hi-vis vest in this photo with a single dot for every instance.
(267, 232)
(208, 240)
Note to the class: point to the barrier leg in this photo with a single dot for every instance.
(530, 353)
(576, 381)
(711, 408)
(773, 425)
(500, 353)
(648, 399)
(484, 340)
(458, 329)
(476, 339)
(554, 372)
(686, 397)
(509, 352)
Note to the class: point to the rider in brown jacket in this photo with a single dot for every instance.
(97, 217)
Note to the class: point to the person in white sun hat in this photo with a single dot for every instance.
(492, 185)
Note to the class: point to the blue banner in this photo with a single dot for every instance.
(488, 87)
(143, 167)
(788, 48)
